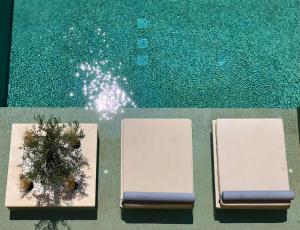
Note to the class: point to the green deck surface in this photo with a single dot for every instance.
(108, 214)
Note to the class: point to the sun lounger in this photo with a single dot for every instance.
(250, 164)
(157, 164)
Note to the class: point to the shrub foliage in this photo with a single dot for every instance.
(52, 152)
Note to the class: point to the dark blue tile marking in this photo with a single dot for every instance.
(142, 43)
(142, 23)
(142, 60)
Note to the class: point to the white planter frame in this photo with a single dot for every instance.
(16, 199)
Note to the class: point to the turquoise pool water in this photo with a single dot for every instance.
(106, 55)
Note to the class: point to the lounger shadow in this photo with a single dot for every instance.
(157, 216)
(250, 216)
(243, 216)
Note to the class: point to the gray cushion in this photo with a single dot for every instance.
(130, 196)
(234, 196)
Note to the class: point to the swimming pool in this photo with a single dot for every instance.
(106, 55)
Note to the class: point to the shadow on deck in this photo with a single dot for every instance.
(157, 216)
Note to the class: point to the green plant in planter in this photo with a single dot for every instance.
(30, 139)
(25, 184)
(70, 184)
(52, 152)
(73, 136)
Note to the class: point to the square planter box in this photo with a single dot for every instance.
(85, 197)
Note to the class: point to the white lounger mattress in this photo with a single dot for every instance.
(250, 164)
(157, 163)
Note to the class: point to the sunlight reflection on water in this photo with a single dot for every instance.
(102, 88)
